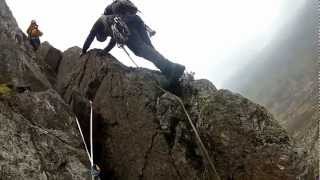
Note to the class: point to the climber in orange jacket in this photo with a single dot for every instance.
(33, 34)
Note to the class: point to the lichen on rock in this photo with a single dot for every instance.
(4, 90)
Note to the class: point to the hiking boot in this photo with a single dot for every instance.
(175, 72)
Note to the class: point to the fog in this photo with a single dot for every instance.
(212, 38)
(290, 57)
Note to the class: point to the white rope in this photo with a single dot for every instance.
(124, 49)
(91, 143)
(202, 146)
(90, 154)
(84, 142)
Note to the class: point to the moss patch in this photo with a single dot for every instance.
(4, 90)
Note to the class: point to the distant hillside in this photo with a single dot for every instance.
(284, 79)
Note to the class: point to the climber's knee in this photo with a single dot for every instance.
(136, 49)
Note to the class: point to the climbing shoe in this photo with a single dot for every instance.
(176, 71)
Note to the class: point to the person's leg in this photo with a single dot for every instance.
(135, 23)
(171, 70)
(33, 44)
(37, 43)
(141, 49)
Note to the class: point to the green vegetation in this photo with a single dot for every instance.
(5, 90)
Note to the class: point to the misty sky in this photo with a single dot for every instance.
(213, 38)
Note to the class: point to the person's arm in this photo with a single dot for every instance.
(29, 30)
(90, 38)
(40, 33)
(150, 31)
(111, 45)
(88, 42)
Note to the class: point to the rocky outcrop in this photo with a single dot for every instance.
(9, 30)
(49, 59)
(40, 139)
(38, 135)
(140, 131)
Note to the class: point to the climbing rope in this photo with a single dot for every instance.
(91, 143)
(95, 170)
(84, 142)
(124, 49)
(202, 146)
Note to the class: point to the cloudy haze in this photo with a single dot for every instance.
(213, 38)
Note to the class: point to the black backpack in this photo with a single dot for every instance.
(121, 7)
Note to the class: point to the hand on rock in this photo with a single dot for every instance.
(152, 33)
(82, 53)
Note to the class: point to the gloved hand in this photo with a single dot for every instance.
(82, 53)
(152, 33)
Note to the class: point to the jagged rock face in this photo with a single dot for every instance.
(38, 142)
(17, 67)
(49, 59)
(142, 132)
(9, 30)
(38, 134)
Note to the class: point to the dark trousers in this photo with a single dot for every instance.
(140, 44)
(35, 42)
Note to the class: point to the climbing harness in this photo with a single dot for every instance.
(120, 30)
(202, 146)
(95, 170)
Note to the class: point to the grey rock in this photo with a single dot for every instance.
(9, 30)
(49, 55)
(40, 138)
(142, 133)
(49, 59)
(18, 67)
(38, 134)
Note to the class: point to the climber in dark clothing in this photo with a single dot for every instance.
(123, 8)
(137, 41)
